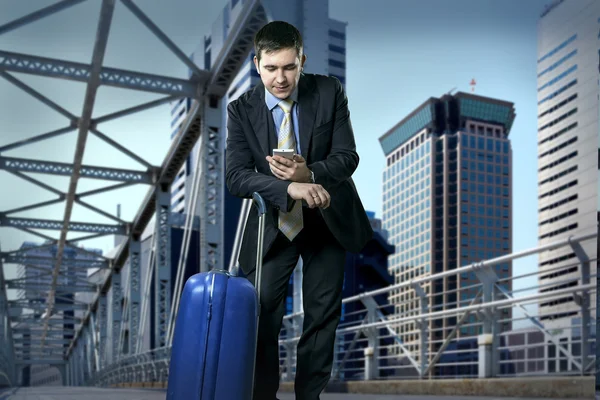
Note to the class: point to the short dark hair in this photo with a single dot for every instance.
(275, 36)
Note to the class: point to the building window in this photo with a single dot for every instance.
(335, 63)
(337, 49)
(337, 35)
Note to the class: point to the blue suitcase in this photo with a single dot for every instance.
(214, 342)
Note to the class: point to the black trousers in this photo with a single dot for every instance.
(323, 277)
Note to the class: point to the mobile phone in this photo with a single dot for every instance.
(287, 153)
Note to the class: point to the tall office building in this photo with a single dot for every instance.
(36, 275)
(568, 149)
(447, 202)
(325, 46)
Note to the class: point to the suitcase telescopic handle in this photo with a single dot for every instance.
(259, 202)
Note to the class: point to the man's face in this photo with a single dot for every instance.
(280, 71)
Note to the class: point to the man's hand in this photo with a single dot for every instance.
(314, 195)
(290, 170)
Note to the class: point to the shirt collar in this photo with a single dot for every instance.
(273, 101)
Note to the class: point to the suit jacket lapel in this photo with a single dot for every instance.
(258, 115)
(308, 101)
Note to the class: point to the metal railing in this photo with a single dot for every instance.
(474, 337)
(470, 337)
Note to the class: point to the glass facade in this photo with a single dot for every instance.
(485, 209)
(446, 204)
(405, 130)
(407, 211)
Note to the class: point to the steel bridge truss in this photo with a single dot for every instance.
(41, 326)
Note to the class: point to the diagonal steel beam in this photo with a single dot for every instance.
(135, 109)
(34, 93)
(33, 223)
(106, 14)
(236, 48)
(104, 189)
(64, 169)
(38, 183)
(39, 14)
(34, 206)
(163, 38)
(34, 233)
(121, 148)
(88, 237)
(53, 68)
(99, 211)
(37, 138)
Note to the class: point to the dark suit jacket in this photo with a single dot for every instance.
(327, 144)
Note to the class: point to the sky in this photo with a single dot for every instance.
(399, 53)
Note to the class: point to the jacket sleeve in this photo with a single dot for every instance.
(343, 159)
(241, 176)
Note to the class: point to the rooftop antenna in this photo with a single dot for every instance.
(473, 83)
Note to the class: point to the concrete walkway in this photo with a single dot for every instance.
(91, 393)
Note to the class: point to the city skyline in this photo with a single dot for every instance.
(365, 128)
(448, 171)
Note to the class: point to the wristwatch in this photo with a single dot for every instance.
(312, 176)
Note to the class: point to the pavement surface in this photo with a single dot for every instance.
(91, 393)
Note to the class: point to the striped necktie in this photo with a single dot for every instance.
(289, 223)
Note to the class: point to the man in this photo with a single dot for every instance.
(314, 211)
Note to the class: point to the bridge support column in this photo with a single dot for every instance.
(372, 349)
(423, 326)
(102, 329)
(584, 301)
(488, 342)
(116, 310)
(212, 184)
(485, 342)
(162, 271)
(134, 293)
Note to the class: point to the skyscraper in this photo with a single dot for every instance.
(325, 46)
(35, 275)
(568, 143)
(447, 202)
